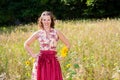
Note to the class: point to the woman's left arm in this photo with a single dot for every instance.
(63, 39)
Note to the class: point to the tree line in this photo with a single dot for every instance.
(24, 11)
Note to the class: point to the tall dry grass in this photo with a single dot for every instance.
(94, 54)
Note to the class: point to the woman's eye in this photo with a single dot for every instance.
(48, 19)
(44, 19)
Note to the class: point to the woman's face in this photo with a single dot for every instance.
(46, 21)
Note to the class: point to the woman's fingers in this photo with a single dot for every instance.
(59, 58)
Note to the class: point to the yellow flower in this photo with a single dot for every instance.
(68, 65)
(27, 63)
(64, 51)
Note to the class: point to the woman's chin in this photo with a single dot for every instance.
(46, 26)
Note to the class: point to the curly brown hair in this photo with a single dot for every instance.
(46, 13)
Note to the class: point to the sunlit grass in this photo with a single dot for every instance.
(94, 54)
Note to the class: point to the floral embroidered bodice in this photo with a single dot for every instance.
(48, 41)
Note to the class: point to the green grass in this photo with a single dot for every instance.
(94, 54)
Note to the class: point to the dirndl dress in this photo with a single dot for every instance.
(47, 67)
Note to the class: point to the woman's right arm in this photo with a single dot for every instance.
(28, 42)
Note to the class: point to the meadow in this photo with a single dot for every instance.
(94, 53)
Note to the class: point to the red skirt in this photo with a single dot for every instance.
(48, 66)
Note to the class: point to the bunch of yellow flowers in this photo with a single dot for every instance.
(64, 51)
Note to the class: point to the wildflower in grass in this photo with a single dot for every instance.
(27, 63)
(68, 65)
(64, 51)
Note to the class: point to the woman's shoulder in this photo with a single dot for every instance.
(55, 30)
(37, 33)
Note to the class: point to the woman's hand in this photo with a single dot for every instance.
(35, 55)
(59, 58)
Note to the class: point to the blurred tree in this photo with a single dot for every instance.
(24, 11)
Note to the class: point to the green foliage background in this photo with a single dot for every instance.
(24, 11)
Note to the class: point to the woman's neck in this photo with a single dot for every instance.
(47, 29)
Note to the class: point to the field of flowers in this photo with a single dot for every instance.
(94, 54)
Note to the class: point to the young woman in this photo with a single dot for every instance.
(47, 66)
